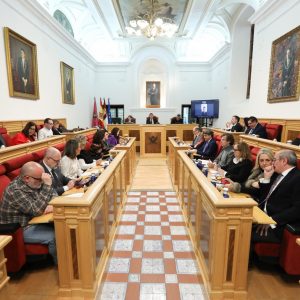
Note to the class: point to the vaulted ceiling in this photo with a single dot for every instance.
(204, 26)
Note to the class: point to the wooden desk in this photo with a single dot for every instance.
(263, 143)
(130, 159)
(236, 135)
(173, 162)
(18, 150)
(4, 240)
(220, 230)
(84, 230)
(85, 132)
(183, 131)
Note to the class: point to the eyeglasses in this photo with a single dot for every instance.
(56, 160)
(37, 179)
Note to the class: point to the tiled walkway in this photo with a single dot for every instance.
(152, 255)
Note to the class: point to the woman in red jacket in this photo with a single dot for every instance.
(28, 134)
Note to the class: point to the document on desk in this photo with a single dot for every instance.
(47, 218)
(75, 195)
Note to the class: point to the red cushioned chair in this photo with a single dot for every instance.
(263, 124)
(38, 155)
(218, 141)
(254, 151)
(5, 136)
(274, 131)
(60, 147)
(14, 165)
(16, 251)
(286, 253)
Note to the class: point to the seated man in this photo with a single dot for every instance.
(26, 197)
(279, 196)
(151, 119)
(50, 164)
(234, 125)
(129, 120)
(198, 138)
(256, 128)
(209, 148)
(226, 155)
(177, 120)
(46, 131)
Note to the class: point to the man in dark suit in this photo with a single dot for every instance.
(280, 196)
(151, 119)
(256, 128)
(50, 164)
(129, 120)
(23, 71)
(177, 120)
(209, 148)
(235, 124)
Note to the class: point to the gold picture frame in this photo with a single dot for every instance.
(284, 77)
(67, 83)
(152, 94)
(21, 62)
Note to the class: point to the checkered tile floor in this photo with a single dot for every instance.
(152, 255)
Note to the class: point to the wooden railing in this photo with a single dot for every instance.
(4, 240)
(85, 132)
(84, 229)
(236, 135)
(18, 150)
(220, 230)
(263, 143)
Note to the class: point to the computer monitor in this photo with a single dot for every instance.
(205, 108)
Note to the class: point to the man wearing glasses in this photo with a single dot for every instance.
(26, 197)
(50, 164)
(46, 131)
(255, 128)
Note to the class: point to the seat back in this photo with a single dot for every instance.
(38, 155)
(5, 136)
(14, 165)
(254, 151)
(60, 147)
(4, 180)
(274, 131)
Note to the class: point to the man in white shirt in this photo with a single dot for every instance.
(46, 131)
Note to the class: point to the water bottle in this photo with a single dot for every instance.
(225, 193)
(205, 171)
(93, 178)
(199, 165)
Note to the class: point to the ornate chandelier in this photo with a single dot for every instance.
(152, 25)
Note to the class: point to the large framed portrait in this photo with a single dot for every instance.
(67, 83)
(152, 93)
(21, 61)
(284, 78)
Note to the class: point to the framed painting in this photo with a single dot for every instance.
(21, 61)
(67, 83)
(152, 93)
(284, 78)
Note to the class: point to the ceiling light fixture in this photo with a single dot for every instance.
(152, 25)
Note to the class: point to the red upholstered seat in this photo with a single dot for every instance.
(14, 165)
(88, 146)
(89, 137)
(263, 124)
(298, 163)
(254, 151)
(38, 155)
(5, 136)
(60, 147)
(274, 131)
(4, 180)
(287, 252)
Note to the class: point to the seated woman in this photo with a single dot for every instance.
(113, 138)
(129, 120)
(264, 159)
(85, 158)
(240, 167)
(99, 148)
(209, 148)
(226, 154)
(28, 134)
(69, 163)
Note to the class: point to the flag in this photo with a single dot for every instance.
(108, 112)
(101, 118)
(95, 122)
(104, 109)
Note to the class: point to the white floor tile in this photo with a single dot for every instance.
(152, 208)
(153, 266)
(129, 218)
(152, 230)
(113, 290)
(191, 291)
(152, 218)
(186, 266)
(126, 229)
(119, 265)
(123, 245)
(153, 246)
(182, 246)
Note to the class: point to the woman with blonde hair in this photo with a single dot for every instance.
(264, 159)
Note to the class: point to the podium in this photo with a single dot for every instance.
(153, 140)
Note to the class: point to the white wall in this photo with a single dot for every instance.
(180, 83)
(52, 47)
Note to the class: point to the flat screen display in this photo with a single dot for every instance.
(205, 108)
